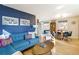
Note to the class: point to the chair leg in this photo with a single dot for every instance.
(65, 38)
(69, 39)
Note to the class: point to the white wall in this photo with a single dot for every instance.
(72, 27)
(39, 29)
(42, 26)
(45, 26)
(61, 25)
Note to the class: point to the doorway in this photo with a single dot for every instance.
(53, 26)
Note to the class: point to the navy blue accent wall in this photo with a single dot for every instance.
(0, 26)
(7, 11)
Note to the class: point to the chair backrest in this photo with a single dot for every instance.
(65, 34)
(70, 33)
(58, 33)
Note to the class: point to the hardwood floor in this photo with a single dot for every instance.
(62, 48)
(38, 50)
(67, 47)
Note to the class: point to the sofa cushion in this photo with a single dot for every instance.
(7, 50)
(19, 36)
(20, 45)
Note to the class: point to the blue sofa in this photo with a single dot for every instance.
(7, 50)
(19, 44)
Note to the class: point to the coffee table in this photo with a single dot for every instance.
(38, 50)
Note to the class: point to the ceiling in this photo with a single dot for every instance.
(47, 11)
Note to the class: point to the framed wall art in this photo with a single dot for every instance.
(9, 20)
(24, 22)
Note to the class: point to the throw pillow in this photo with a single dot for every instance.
(28, 36)
(32, 33)
(2, 36)
(6, 34)
(8, 41)
(4, 42)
